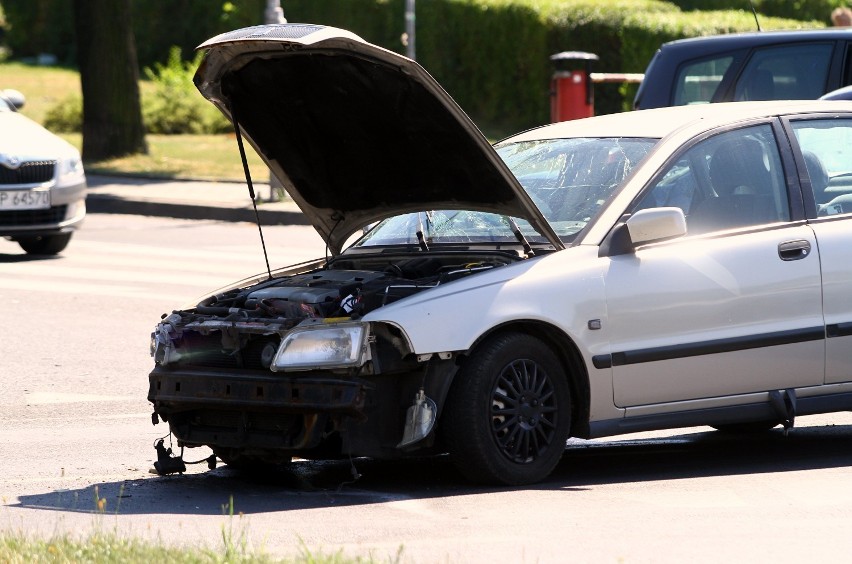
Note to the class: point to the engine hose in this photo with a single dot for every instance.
(212, 310)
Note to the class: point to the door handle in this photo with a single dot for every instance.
(794, 250)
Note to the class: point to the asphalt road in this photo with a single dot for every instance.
(75, 428)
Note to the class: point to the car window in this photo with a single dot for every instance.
(727, 181)
(827, 151)
(796, 72)
(697, 82)
(847, 71)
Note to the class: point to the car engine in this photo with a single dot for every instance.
(242, 327)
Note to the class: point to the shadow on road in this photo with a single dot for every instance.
(308, 485)
(24, 257)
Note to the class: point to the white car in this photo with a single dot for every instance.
(648, 270)
(42, 183)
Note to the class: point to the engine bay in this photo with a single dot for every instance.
(242, 327)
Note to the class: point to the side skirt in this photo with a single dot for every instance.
(763, 411)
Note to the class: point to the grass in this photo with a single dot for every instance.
(15, 548)
(170, 156)
(207, 157)
(43, 86)
(110, 548)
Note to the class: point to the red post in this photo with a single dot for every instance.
(568, 96)
(571, 91)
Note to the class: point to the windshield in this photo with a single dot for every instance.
(569, 180)
(448, 226)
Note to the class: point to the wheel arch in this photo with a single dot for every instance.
(569, 356)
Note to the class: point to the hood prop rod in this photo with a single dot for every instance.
(421, 240)
(516, 231)
(249, 183)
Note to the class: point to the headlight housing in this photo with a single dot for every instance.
(322, 346)
(70, 169)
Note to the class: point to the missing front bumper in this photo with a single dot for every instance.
(254, 411)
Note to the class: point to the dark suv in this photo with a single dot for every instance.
(772, 65)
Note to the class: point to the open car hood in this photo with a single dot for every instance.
(354, 132)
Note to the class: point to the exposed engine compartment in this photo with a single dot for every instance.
(242, 327)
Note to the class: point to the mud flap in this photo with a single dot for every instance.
(784, 404)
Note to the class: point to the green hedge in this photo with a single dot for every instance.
(819, 10)
(492, 56)
(46, 26)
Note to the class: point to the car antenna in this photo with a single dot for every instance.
(753, 11)
(247, 172)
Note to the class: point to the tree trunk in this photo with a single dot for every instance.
(109, 76)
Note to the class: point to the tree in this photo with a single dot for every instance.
(109, 76)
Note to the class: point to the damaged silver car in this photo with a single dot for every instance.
(573, 281)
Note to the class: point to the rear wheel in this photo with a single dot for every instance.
(508, 414)
(45, 244)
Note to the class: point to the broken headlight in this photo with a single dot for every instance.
(322, 346)
(162, 341)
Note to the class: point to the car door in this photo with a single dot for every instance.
(826, 151)
(734, 307)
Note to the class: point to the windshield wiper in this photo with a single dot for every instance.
(528, 250)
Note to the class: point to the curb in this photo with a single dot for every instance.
(104, 203)
(137, 195)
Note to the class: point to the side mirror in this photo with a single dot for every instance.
(643, 227)
(656, 224)
(15, 98)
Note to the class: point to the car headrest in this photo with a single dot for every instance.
(738, 167)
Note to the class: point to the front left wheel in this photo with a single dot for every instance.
(508, 414)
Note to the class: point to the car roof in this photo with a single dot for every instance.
(709, 44)
(657, 123)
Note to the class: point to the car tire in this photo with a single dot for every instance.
(45, 244)
(508, 414)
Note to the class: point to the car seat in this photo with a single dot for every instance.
(818, 176)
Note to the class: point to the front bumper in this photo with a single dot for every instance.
(178, 390)
(68, 208)
(251, 410)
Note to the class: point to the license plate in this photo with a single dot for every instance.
(24, 199)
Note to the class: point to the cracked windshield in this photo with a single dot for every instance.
(569, 180)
